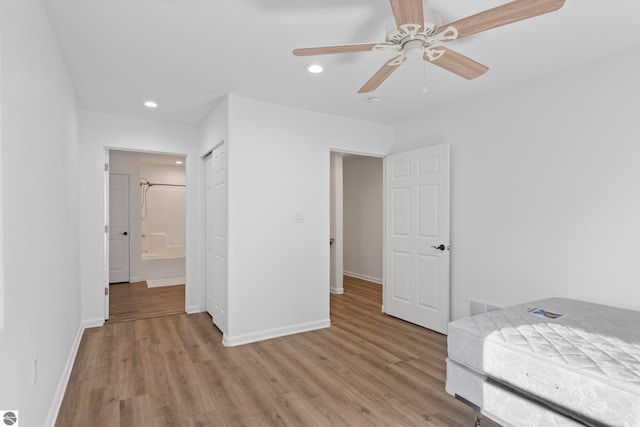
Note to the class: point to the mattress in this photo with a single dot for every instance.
(586, 362)
(500, 403)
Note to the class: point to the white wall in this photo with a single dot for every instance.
(278, 167)
(100, 131)
(545, 196)
(213, 130)
(363, 218)
(164, 210)
(39, 175)
(161, 173)
(1, 197)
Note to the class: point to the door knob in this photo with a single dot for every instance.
(124, 234)
(441, 247)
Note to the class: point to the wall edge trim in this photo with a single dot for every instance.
(54, 409)
(232, 341)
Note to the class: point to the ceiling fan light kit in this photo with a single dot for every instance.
(418, 33)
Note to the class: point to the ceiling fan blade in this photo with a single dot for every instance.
(326, 50)
(382, 74)
(457, 63)
(515, 11)
(408, 12)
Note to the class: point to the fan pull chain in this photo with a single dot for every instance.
(424, 77)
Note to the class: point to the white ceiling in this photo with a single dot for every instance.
(188, 54)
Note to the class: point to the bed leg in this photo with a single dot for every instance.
(476, 409)
(477, 419)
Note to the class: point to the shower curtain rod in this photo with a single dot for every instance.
(151, 184)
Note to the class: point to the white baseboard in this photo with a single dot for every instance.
(195, 309)
(136, 279)
(337, 291)
(363, 277)
(52, 416)
(228, 341)
(92, 323)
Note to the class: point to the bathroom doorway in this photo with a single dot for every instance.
(154, 237)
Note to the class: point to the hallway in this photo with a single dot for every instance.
(132, 301)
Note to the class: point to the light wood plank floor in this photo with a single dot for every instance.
(131, 301)
(367, 369)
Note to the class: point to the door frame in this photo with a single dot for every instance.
(339, 242)
(336, 248)
(105, 244)
(189, 193)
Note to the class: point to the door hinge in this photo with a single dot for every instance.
(106, 291)
(106, 228)
(106, 167)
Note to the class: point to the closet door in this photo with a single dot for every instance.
(216, 231)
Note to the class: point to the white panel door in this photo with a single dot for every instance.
(209, 220)
(118, 228)
(216, 223)
(417, 236)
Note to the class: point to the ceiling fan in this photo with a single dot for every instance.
(418, 33)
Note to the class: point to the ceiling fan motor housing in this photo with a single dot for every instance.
(427, 28)
(414, 38)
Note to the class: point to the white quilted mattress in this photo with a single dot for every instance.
(586, 362)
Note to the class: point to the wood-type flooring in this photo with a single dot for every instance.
(367, 369)
(132, 301)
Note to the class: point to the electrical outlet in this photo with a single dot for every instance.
(477, 307)
(298, 218)
(492, 307)
(34, 371)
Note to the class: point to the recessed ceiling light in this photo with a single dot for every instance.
(374, 99)
(314, 68)
(150, 104)
(178, 162)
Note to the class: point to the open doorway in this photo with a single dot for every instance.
(147, 206)
(416, 233)
(356, 240)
